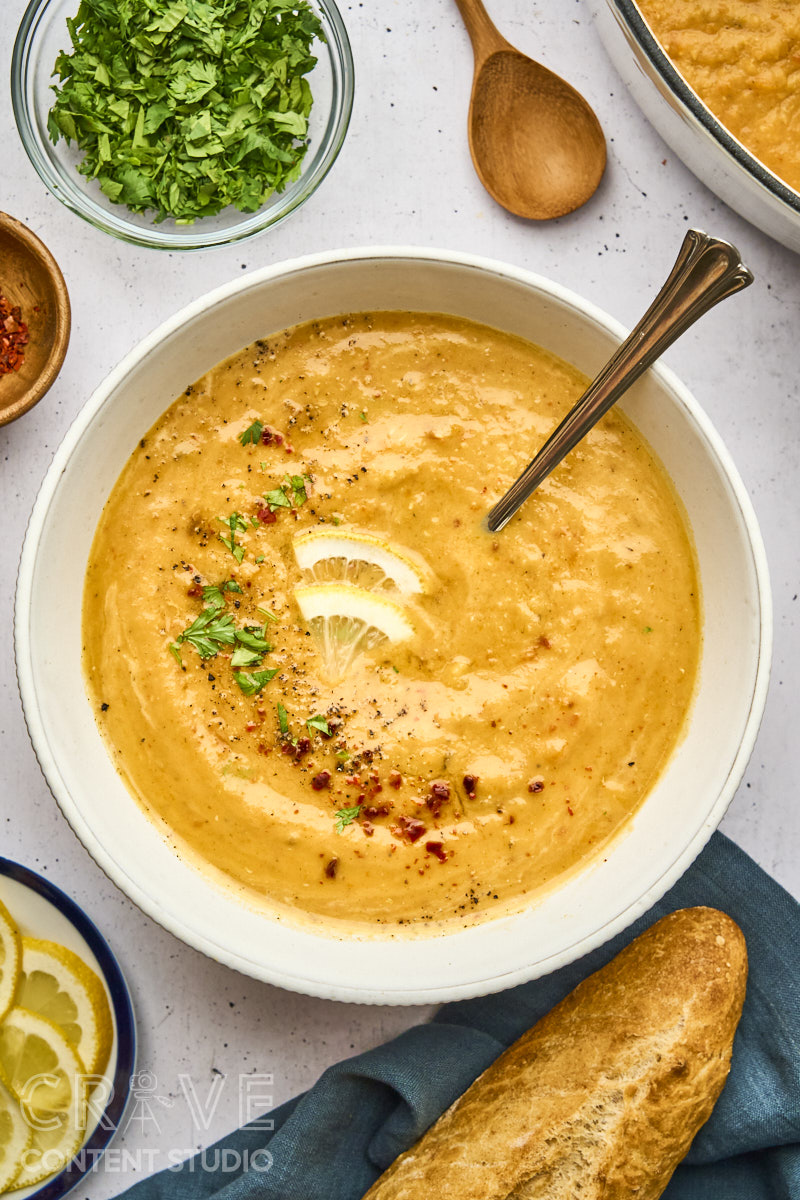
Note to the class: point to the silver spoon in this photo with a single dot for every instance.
(705, 272)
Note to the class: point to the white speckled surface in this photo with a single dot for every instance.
(404, 176)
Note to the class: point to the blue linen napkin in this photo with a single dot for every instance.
(332, 1142)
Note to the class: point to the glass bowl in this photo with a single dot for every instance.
(43, 34)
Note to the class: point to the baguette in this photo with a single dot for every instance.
(601, 1098)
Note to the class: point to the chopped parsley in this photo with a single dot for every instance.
(236, 524)
(184, 107)
(283, 720)
(252, 684)
(277, 498)
(208, 633)
(252, 434)
(318, 724)
(214, 593)
(252, 636)
(242, 657)
(291, 494)
(346, 816)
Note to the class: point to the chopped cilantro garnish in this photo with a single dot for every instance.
(183, 107)
(252, 684)
(252, 433)
(277, 498)
(363, 416)
(213, 593)
(208, 633)
(242, 657)
(291, 494)
(270, 616)
(283, 720)
(235, 522)
(346, 816)
(298, 486)
(319, 724)
(252, 636)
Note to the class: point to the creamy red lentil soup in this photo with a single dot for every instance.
(324, 678)
(742, 57)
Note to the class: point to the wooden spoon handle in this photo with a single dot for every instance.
(485, 37)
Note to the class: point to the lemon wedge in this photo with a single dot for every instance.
(358, 558)
(55, 983)
(9, 959)
(347, 620)
(15, 1138)
(39, 1066)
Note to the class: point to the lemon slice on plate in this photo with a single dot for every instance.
(39, 1066)
(9, 959)
(15, 1138)
(55, 1139)
(55, 983)
(347, 620)
(358, 558)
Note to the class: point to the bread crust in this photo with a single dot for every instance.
(601, 1099)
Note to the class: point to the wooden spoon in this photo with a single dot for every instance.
(536, 144)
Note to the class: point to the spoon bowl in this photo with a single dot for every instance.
(536, 145)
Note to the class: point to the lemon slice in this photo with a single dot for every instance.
(347, 620)
(9, 959)
(55, 1139)
(57, 984)
(39, 1066)
(15, 1138)
(358, 558)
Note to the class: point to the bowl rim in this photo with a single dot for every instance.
(629, 12)
(34, 246)
(284, 976)
(153, 236)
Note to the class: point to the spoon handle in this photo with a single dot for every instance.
(706, 270)
(483, 33)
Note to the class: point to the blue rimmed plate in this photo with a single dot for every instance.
(42, 910)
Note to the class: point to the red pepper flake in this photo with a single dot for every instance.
(410, 828)
(301, 747)
(376, 810)
(330, 868)
(437, 849)
(265, 516)
(470, 784)
(544, 642)
(250, 728)
(277, 438)
(395, 779)
(194, 590)
(368, 828)
(536, 785)
(440, 793)
(569, 810)
(14, 337)
(323, 780)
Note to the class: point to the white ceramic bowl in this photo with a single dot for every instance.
(716, 157)
(672, 825)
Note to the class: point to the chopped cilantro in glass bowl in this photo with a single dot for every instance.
(182, 124)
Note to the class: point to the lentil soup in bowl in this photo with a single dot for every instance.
(314, 718)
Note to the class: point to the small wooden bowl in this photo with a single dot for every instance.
(30, 277)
